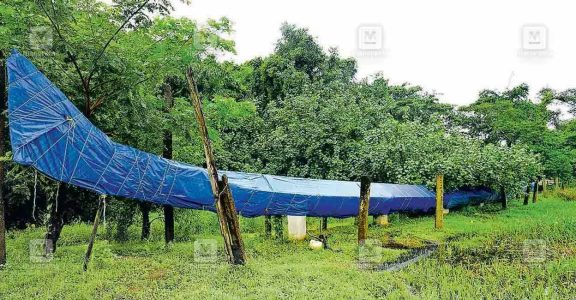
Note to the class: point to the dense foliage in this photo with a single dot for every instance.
(299, 111)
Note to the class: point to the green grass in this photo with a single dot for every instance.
(482, 258)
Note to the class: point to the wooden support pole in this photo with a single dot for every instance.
(363, 210)
(229, 207)
(227, 217)
(94, 231)
(3, 100)
(503, 198)
(527, 195)
(544, 185)
(439, 220)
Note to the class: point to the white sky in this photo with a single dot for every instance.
(455, 48)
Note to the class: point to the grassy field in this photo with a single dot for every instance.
(523, 252)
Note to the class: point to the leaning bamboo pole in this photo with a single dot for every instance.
(223, 200)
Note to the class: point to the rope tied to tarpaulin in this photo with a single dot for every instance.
(72, 123)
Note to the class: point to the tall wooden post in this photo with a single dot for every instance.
(94, 231)
(503, 198)
(439, 220)
(167, 153)
(363, 210)
(3, 100)
(227, 216)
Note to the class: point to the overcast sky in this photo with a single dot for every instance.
(455, 48)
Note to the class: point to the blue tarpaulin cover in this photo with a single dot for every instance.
(49, 133)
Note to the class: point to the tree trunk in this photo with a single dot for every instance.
(363, 210)
(267, 226)
(167, 153)
(527, 195)
(145, 208)
(56, 217)
(503, 199)
(3, 98)
(439, 218)
(325, 223)
(168, 223)
(535, 192)
(278, 227)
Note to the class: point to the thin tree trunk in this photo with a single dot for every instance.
(145, 208)
(167, 153)
(325, 223)
(278, 227)
(56, 217)
(535, 192)
(3, 98)
(439, 216)
(527, 195)
(503, 199)
(268, 226)
(363, 210)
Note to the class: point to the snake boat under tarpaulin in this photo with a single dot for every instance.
(50, 134)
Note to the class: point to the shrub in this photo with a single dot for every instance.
(568, 194)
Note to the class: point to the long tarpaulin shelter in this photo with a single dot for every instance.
(50, 134)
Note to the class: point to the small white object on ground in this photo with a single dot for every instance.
(316, 245)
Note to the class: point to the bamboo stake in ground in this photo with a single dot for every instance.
(363, 210)
(94, 231)
(3, 98)
(439, 220)
(227, 216)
